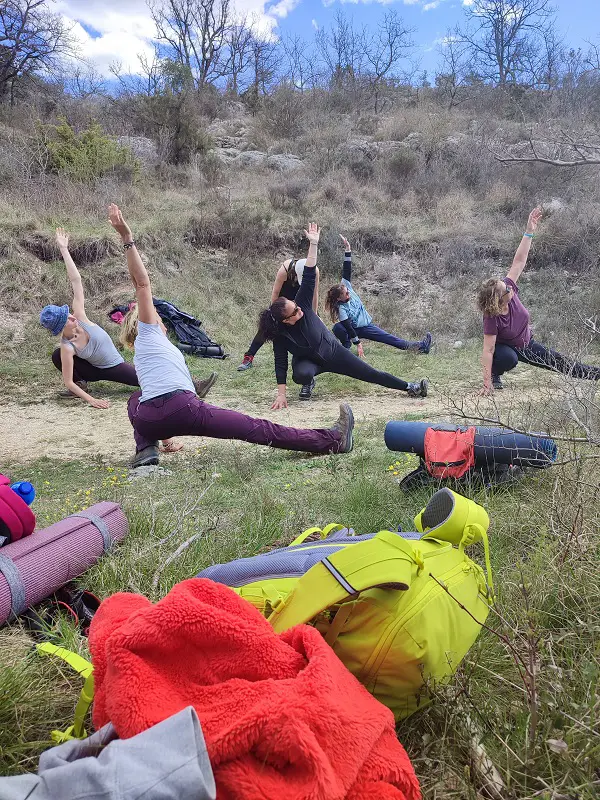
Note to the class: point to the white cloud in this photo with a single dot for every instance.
(431, 6)
(283, 8)
(315, 24)
(122, 29)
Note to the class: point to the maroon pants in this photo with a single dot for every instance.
(84, 371)
(184, 414)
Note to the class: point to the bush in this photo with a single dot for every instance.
(402, 165)
(289, 193)
(362, 168)
(87, 155)
(282, 113)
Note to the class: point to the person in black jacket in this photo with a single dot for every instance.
(352, 320)
(294, 328)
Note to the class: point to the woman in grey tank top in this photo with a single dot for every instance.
(86, 351)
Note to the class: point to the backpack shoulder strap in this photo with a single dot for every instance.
(385, 560)
(86, 698)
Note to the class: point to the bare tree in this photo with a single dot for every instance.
(503, 37)
(32, 39)
(455, 71)
(341, 50)
(239, 53)
(194, 33)
(384, 50)
(298, 59)
(264, 63)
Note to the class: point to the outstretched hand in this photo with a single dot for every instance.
(279, 402)
(486, 391)
(534, 219)
(115, 217)
(103, 404)
(313, 233)
(62, 238)
(345, 241)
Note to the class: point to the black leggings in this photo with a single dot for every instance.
(344, 363)
(84, 371)
(255, 345)
(538, 355)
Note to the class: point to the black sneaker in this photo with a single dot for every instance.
(203, 387)
(417, 389)
(425, 345)
(145, 457)
(345, 425)
(307, 390)
(496, 382)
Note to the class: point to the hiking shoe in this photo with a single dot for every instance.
(246, 363)
(203, 387)
(425, 344)
(145, 457)
(345, 425)
(417, 389)
(307, 390)
(496, 382)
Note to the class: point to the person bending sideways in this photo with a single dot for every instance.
(507, 337)
(167, 404)
(294, 328)
(87, 353)
(352, 320)
(287, 283)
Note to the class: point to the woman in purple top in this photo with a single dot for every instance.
(507, 337)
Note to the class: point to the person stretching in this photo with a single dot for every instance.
(507, 337)
(167, 404)
(287, 284)
(352, 320)
(294, 328)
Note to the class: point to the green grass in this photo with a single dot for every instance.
(544, 536)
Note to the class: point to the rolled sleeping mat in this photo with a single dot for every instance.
(33, 568)
(492, 445)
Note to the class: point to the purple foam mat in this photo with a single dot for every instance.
(34, 567)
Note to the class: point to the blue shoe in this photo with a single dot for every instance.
(425, 345)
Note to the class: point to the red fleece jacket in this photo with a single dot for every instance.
(282, 717)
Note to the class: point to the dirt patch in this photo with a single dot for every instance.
(70, 429)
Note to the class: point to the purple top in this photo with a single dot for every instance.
(513, 327)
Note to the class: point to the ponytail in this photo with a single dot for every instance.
(269, 320)
(332, 301)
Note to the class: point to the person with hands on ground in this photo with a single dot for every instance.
(507, 335)
(167, 404)
(294, 328)
(352, 320)
(287, 284)
(86, 352)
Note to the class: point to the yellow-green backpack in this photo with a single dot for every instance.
(400, 610)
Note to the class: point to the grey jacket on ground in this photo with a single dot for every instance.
(167, 762)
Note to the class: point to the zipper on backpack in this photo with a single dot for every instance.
(449, 578)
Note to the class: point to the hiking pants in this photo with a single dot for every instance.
(344, 363)
(184, 414)
(538, 355)
(373, 333)
(84, 371)
(255, 345)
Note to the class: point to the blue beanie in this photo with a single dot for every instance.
(54, 318)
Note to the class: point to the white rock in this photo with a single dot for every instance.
(457, 344)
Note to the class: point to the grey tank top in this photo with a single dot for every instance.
(99, 351)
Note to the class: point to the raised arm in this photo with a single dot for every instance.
(520, 259)
(347, 268)
(315, 303)
(306, 292)
(135, 265)
(62, 240)
(279, 281)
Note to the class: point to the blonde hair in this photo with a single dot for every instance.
(129, 328)
(489, 298)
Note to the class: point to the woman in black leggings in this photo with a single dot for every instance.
(294, 328)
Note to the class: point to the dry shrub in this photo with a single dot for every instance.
(455, 210)
(362, 167)
(399, 170)
(289, 193)
(282, 112)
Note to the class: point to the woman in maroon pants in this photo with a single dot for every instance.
(167, 404)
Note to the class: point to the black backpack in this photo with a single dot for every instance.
(188, 330)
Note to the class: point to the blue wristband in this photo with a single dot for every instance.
(528, 235)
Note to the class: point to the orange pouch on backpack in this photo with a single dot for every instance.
(449, 454)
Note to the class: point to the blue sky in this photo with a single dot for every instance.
(111, 30)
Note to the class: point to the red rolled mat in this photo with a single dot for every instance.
(33, 568)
